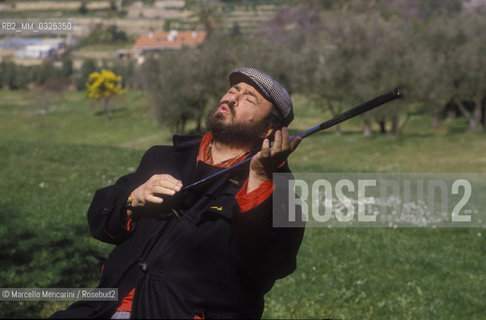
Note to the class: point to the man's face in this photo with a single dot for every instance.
(240, 117)
(248, 104)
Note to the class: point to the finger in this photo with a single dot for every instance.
(165, 177)
(170, 182)
(154, 199)
(277, 144)
(163, 190)
(294, 144)
(265, 153)
(285, 139)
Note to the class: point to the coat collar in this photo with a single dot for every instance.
(186, 150)
(185, 142)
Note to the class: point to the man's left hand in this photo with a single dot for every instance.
(267, 161)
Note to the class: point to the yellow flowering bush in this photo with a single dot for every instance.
(103, 86)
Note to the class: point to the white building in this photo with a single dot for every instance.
(47, 48)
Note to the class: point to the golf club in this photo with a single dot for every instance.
(351, 113)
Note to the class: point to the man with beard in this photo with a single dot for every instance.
(208, 251)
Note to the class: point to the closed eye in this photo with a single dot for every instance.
(251, 97)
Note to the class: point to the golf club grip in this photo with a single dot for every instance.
(353, 112)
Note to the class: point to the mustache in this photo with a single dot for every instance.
(231, 105)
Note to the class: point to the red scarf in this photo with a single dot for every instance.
(205, 154)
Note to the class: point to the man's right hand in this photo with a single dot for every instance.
(152, 189)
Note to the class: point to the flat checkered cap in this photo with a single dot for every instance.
(268, 87)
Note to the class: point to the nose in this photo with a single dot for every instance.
(234, 98)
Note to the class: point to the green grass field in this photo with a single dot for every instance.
(53, 160)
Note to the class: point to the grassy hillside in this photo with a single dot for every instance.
(52, 160)
(78, 120)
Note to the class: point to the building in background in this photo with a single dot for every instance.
(32, 48)
(44, 49)
(172, 40)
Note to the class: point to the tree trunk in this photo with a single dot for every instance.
(473, 125)
(198, 124)
(451, 116)
(199, 120)
(394, 127)
(382, 125)
(367, 128)
(107, 109)
(477, 115)
(434, 119)
(483, 115)
(473, 118)
(183, 125)
(397, 128)
(337, 130)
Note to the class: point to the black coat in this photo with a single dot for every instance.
(213, 261)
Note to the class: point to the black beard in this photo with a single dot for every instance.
(248, 135)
